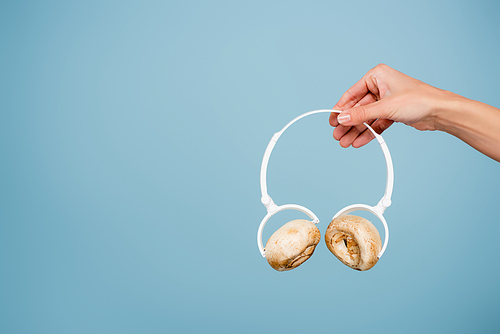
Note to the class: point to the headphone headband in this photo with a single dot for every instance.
(272, 208)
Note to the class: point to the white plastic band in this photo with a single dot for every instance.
(386, 199)
(269, 149)
(272, 208)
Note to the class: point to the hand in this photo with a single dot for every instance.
(384, 96)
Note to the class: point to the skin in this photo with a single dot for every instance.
(384, 96)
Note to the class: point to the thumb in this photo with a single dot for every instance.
(360, 114)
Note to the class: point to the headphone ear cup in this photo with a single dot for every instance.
(292, 244)
(354, 241)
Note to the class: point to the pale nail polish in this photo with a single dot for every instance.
(343, 118)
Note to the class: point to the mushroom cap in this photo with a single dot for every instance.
(292, 244)
(354, 241)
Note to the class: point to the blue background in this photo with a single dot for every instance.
(131, 138)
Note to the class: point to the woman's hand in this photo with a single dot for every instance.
(384, 96)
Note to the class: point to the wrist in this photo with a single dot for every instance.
(451, 112)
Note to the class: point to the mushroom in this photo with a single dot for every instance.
(292, 244)
(354, 241)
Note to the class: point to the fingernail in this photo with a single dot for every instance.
(343, 118)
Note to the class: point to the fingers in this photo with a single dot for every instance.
(333, 119)
(362, 104)
(358, 91)
(363, 113)
(364, 138)
(367, 99)
(354, 132)
(340, 131)
(359, 135)
(355, 96)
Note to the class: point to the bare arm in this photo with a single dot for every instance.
(476, 123)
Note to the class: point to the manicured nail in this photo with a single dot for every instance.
(343, 118)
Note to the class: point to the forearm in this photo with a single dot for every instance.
(475, 123)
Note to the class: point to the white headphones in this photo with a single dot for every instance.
(350, 238)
